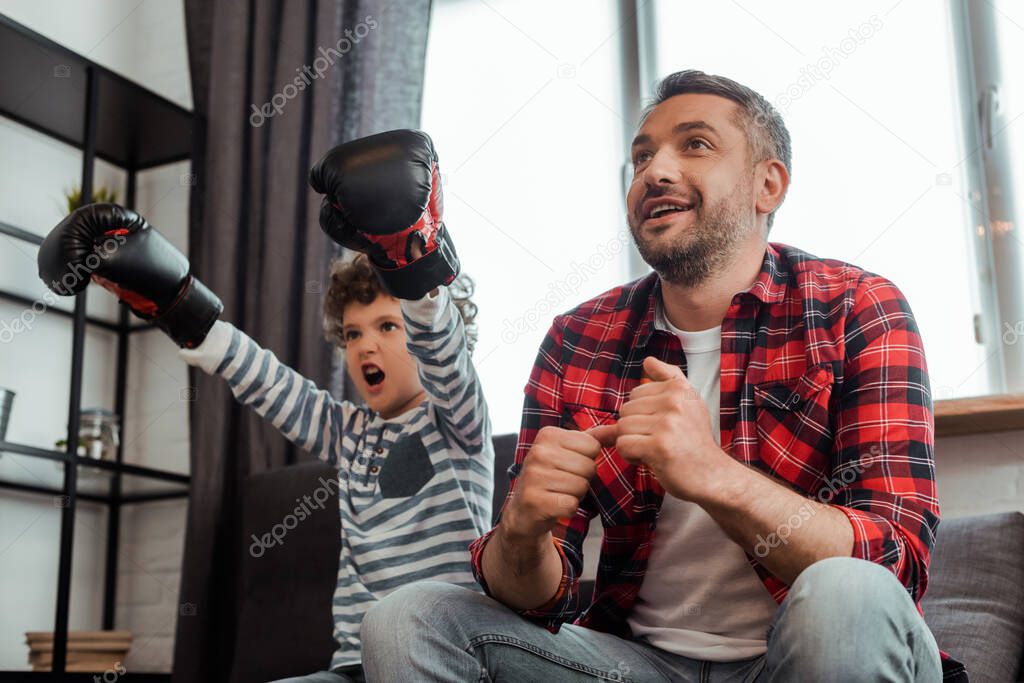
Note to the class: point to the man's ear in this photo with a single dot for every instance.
(771, 181)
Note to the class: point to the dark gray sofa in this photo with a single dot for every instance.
(974, 603)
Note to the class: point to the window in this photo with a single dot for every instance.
(530, 106)
(526, 118)
(877, 145)
(993, 33)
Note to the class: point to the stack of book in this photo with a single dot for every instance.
(87, 650)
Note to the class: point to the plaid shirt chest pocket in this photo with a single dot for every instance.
(794, 426)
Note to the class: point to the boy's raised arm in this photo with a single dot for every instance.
(307, 416)
(382, 196)
(437, 340)
(118, 249)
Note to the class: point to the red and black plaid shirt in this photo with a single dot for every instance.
(824, 386)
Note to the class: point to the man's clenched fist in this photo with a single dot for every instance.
(666, 426)
(554, 479)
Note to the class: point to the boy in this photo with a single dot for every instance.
(415, 464)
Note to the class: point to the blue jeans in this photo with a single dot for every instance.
(844, 620)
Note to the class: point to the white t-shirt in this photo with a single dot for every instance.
(700, 597)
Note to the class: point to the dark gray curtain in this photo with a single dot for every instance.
(255, 241)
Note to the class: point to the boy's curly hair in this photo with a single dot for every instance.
(356, 280)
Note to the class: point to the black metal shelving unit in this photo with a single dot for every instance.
(57, 92)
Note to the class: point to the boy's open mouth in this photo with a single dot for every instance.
(372, 374)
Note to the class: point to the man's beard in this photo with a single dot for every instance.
(703, 248)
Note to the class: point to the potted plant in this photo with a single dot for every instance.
(100, 195)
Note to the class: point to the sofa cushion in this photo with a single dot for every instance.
(504, 456)
(975, 599)
(285, 622)
(287, 583)
(974, 603)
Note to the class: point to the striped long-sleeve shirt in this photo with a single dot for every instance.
(414, 490)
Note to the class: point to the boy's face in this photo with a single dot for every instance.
(377, 359)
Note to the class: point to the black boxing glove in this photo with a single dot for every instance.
(118, 249)
(383, 198)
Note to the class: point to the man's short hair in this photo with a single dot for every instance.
(767, 137)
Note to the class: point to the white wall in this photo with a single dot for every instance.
(980, 474)
(146, 42)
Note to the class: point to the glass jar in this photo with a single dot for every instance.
(99, 434)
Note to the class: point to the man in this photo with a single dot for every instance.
(752, 424)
